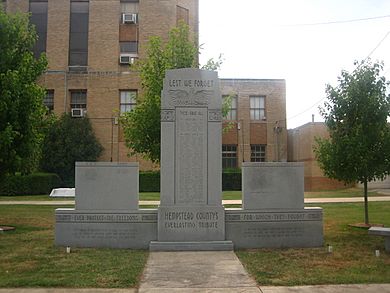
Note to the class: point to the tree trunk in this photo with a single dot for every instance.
(366, 221)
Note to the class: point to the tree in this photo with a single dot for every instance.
(356, 113)
(69, 140)
(21, 107)
(141, 126)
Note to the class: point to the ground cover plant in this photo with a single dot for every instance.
(353, 259)
(29, 258)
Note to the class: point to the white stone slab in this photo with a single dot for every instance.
(272, 186)
(62, 192)
(106, 186)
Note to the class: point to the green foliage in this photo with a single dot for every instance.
(36, 183)
(21, 108)
(231, 179)
(69, 140)
(141, 126)
(149, 181)
(356, 115)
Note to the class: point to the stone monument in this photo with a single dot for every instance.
(190, 215)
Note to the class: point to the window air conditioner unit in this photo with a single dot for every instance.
(129, 18)
(77, 112)
(127, 58)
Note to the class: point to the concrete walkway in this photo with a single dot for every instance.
(206, 271)
(225, 202)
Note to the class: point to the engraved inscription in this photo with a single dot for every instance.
(168, 115)
(189, 97)
(191, 158)
(101, 233)
(276, 232)
(185, 220)
(106, 218)
(215, 115)
(273, 217)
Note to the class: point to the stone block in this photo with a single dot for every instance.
(272, 186)
(106, 186)
(274, 229)
(112, 229)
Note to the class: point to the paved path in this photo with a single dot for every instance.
(200, 271)
(225, 202)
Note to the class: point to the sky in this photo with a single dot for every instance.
(285, 39)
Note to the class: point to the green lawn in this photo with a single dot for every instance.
(353, 259)
(348, 192)
(29, 258)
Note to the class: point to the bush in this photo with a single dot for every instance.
(149, 181)
(69, 140)
(231, 179)
(36, 183)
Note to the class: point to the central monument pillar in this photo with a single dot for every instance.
(191, 215)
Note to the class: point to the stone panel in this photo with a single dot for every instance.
(106, 186)
(274, 229)
(272, 186)
(112, 229)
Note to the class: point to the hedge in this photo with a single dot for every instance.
(37, 183)
(231, 179)
(150, 181)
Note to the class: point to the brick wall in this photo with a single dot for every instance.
(259, 131)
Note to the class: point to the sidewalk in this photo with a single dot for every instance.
(225, 202)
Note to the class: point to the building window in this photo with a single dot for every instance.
(229, 156)
(182, 14)
(129, 47)
(129, 6)
(128, 101)
(38, 18)
(78, 99)
(78, 39)
(232, 114)
(257, 108)
(257, 153)
(48, 100)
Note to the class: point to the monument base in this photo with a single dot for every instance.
(191, 224)
(191, 246)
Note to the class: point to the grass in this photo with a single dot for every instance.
(348, 192)
(29, 258)
(353, 259)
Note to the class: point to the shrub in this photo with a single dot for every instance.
(69, 140)
(149, 181)
(231, 179)
(36, 183)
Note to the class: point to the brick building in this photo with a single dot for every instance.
(301, 142)
(90, 45)
(257, 130)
